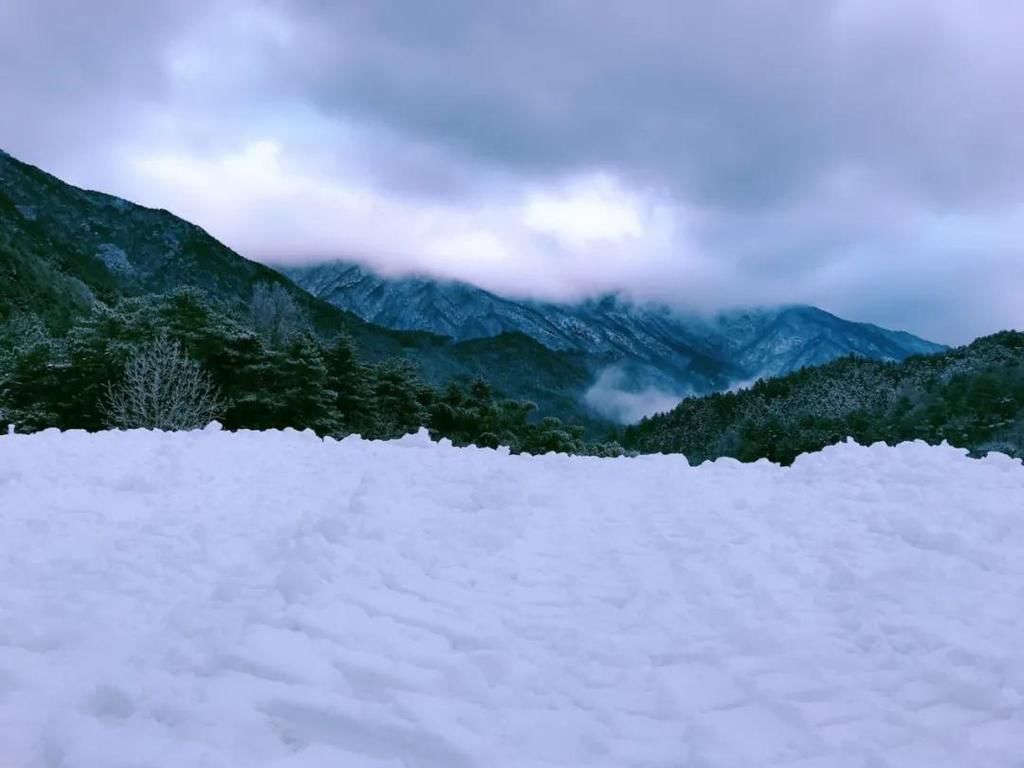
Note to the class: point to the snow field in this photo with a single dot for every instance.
(270, 599)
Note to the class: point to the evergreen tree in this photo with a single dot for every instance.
(302, 383)
(970, 396)
(401, 399)
(305, 399)
(247, 374)
(32, 384)
(354, 396)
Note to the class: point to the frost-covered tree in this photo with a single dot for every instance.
(163, 389)
(276, 316)
(32, 375)
(106, 370)
(972, 397)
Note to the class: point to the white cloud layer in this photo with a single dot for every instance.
(866, 157)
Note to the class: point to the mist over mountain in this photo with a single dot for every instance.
(64, 250)
(971, 396)
(648, 356)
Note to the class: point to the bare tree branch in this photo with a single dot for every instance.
(275, 314)
(163, 389)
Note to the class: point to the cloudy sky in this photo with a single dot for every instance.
(866, 156)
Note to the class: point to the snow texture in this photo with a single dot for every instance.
(270, 599)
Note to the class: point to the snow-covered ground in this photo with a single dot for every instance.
(220, 600)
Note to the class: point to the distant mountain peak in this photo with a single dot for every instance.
(63, 249)
(650, 347)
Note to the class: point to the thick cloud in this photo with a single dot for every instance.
(73, 75)
(862, 155)
(731, 103)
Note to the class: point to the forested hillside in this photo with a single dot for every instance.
(65, 250)
(266, 370)
(651, 345)
(972, 397)
(88, 282)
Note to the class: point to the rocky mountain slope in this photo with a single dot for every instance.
(648, 347)
(63, 248)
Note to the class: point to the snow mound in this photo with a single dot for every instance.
(271, 599)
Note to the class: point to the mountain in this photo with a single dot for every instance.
(648, 347)
(972, 397)
(63, 248)
(640, 348)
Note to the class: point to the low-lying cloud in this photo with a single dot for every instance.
(861, 155)
(613, 397)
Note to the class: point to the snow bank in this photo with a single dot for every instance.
(268, 599)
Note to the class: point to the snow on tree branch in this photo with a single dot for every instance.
(162, 389)
(275, 314)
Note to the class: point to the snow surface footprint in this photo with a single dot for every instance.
(273, 599)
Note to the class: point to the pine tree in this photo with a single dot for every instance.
(401, 399)
(97, 350)
(306, 401)
(350, 381)
(250, 376)
(31, 385)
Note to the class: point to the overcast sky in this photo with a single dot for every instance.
(866, 156)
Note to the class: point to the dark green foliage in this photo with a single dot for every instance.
(354, 401)
(305, 399)
(62, 381)
(472, 415)
(551, 435)
(248, 375)
(64, 249)
(85, 280)
(402, 400)
(31, 387)
(972, 397)
(40, 276)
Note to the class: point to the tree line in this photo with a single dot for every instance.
(179, 360)
(971, 397)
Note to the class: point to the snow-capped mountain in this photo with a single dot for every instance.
(63, 248)
(648, 346)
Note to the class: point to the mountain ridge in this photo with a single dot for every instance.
(970, 396)
(649, 347)
(63, 248)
